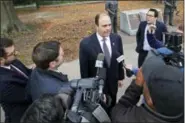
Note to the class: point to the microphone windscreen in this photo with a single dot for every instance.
(100, 57)
(99, 60)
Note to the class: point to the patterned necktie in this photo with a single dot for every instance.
(106, 52)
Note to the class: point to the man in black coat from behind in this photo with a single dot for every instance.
(13, 80)
(163, 89)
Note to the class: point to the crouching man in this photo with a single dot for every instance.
(163, 88)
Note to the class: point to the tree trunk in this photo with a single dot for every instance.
(9, 20)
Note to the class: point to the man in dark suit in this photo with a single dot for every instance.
(141, 37)
(13, 80)
(103, 41)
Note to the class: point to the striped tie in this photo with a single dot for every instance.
(106, 52)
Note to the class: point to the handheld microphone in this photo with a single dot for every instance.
(101, 73)
(121, 59)
(99, 63)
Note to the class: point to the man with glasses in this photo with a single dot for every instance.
(143, 46)
(13, 80)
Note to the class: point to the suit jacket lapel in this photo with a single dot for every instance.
(157, 28)
(97, 48)
(96, 44)
(144, 27)
(12, 74)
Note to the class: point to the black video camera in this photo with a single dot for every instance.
(86, 105)
(92, 88)
(173, 41)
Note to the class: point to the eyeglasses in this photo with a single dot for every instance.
(14, 53)
(149, 15)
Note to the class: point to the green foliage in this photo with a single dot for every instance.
(23, 2)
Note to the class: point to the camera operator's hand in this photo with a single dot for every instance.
(179, 31)
(140, 78)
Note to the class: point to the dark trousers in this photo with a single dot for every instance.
(141, 58)
(114, 23)
(112, 104)
(113, 101)
(168, 17)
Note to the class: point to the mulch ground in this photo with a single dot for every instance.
(69, 24)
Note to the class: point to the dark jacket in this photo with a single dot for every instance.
(12, 92)
(160, 28)
(89, 50)
(45, 81)
(126, 110)
(153, 42)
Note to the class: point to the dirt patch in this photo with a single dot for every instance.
(68, 24)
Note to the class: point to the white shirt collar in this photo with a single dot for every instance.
(108, 42)
(7, 67)
(100, 38)
(153, 23)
